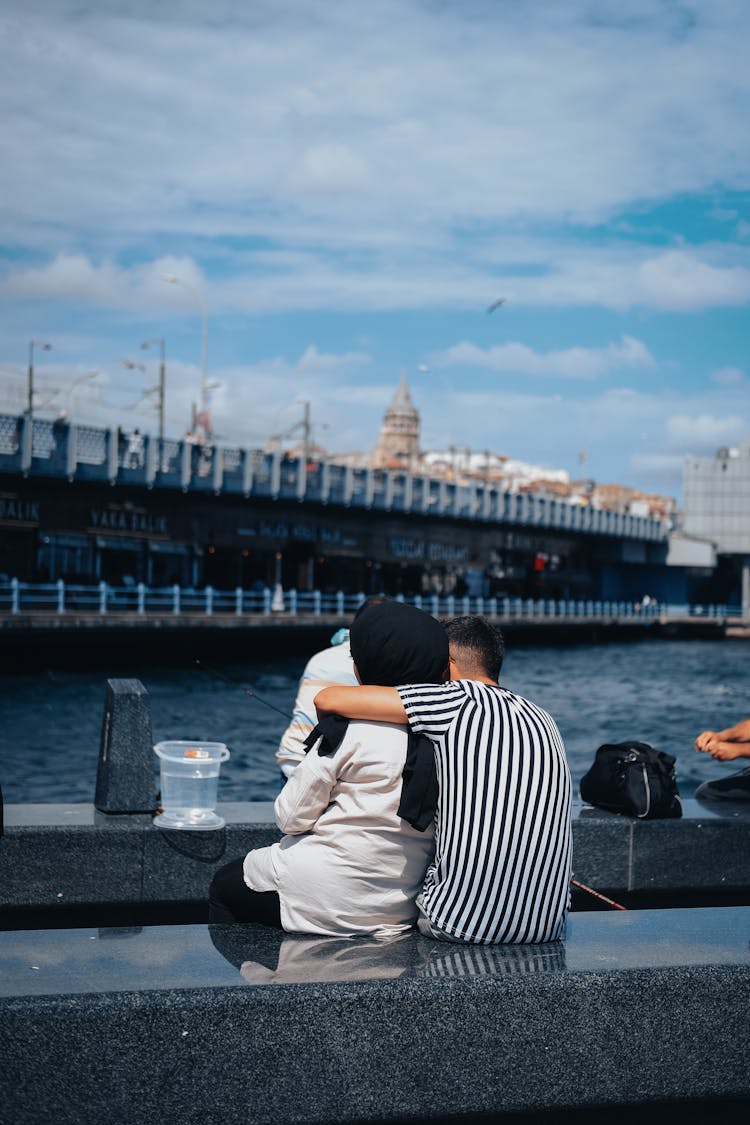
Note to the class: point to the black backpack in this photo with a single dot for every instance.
(634, 779)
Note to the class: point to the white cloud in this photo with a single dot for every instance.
(75, 278)
(703, 431)
(728, 376)
(69, 276)
(301, 156)
(570, 363)
(327, 168)
(313, 362)
(263, 398)
(284, 279)
(677, 280)
(149, 121)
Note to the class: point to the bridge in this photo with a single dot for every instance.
(88, 504)
(107, 456)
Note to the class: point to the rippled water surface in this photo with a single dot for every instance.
(658, 691)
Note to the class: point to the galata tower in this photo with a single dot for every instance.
(398, 444)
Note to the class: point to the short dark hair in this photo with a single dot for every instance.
(477, 636)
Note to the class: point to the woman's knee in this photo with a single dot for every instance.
(226, 885)
(231, 900)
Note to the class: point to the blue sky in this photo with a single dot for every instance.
(346, 187)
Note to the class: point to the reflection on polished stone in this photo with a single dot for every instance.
(119, 959)
(280, 958)
(494, 960)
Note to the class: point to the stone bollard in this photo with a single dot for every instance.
(125, 777)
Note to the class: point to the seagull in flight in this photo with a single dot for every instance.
(496, 304)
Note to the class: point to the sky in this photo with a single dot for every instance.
(343, 189)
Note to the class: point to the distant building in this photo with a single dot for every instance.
(463, 465)
(398, 447)
(621, 498)
(398, 443)
(716, 507)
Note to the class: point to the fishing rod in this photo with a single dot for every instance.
(234, 683)
(603, 898)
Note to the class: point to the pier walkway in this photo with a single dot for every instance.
(27, 608)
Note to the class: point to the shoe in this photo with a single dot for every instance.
(734, 787)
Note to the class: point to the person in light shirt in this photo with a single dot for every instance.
(333, 665)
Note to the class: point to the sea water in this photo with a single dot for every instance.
(659, 691)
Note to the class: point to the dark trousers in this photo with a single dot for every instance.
(231, 900)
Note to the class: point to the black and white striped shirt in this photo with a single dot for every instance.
(501, 871)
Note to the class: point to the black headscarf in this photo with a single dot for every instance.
(391, 644)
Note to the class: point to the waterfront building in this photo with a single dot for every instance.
(716, 508)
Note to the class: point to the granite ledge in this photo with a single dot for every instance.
(500, 1031)
(122, 857)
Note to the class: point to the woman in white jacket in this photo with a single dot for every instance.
(349, 862)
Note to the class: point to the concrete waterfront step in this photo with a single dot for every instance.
(73, 858)
(241, 1023)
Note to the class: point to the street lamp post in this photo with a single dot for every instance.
(172, 279)
(45, 347)
(162, 383)
(306, 429)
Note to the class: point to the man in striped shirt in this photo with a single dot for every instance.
(501, 870)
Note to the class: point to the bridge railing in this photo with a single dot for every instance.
(105, 600)
(94, 454)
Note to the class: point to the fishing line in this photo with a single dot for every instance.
(234, 683)
(590, 891)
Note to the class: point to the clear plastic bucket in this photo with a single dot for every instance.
(190, 784)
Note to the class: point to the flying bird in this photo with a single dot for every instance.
(496, 304)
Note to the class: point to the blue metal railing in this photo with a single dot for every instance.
(104, 600)
(92, 454)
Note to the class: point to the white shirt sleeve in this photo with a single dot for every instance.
(306, 794)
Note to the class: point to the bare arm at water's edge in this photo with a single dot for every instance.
(734, 742)
(376, 704)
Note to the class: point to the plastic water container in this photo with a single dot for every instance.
(190, 784)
